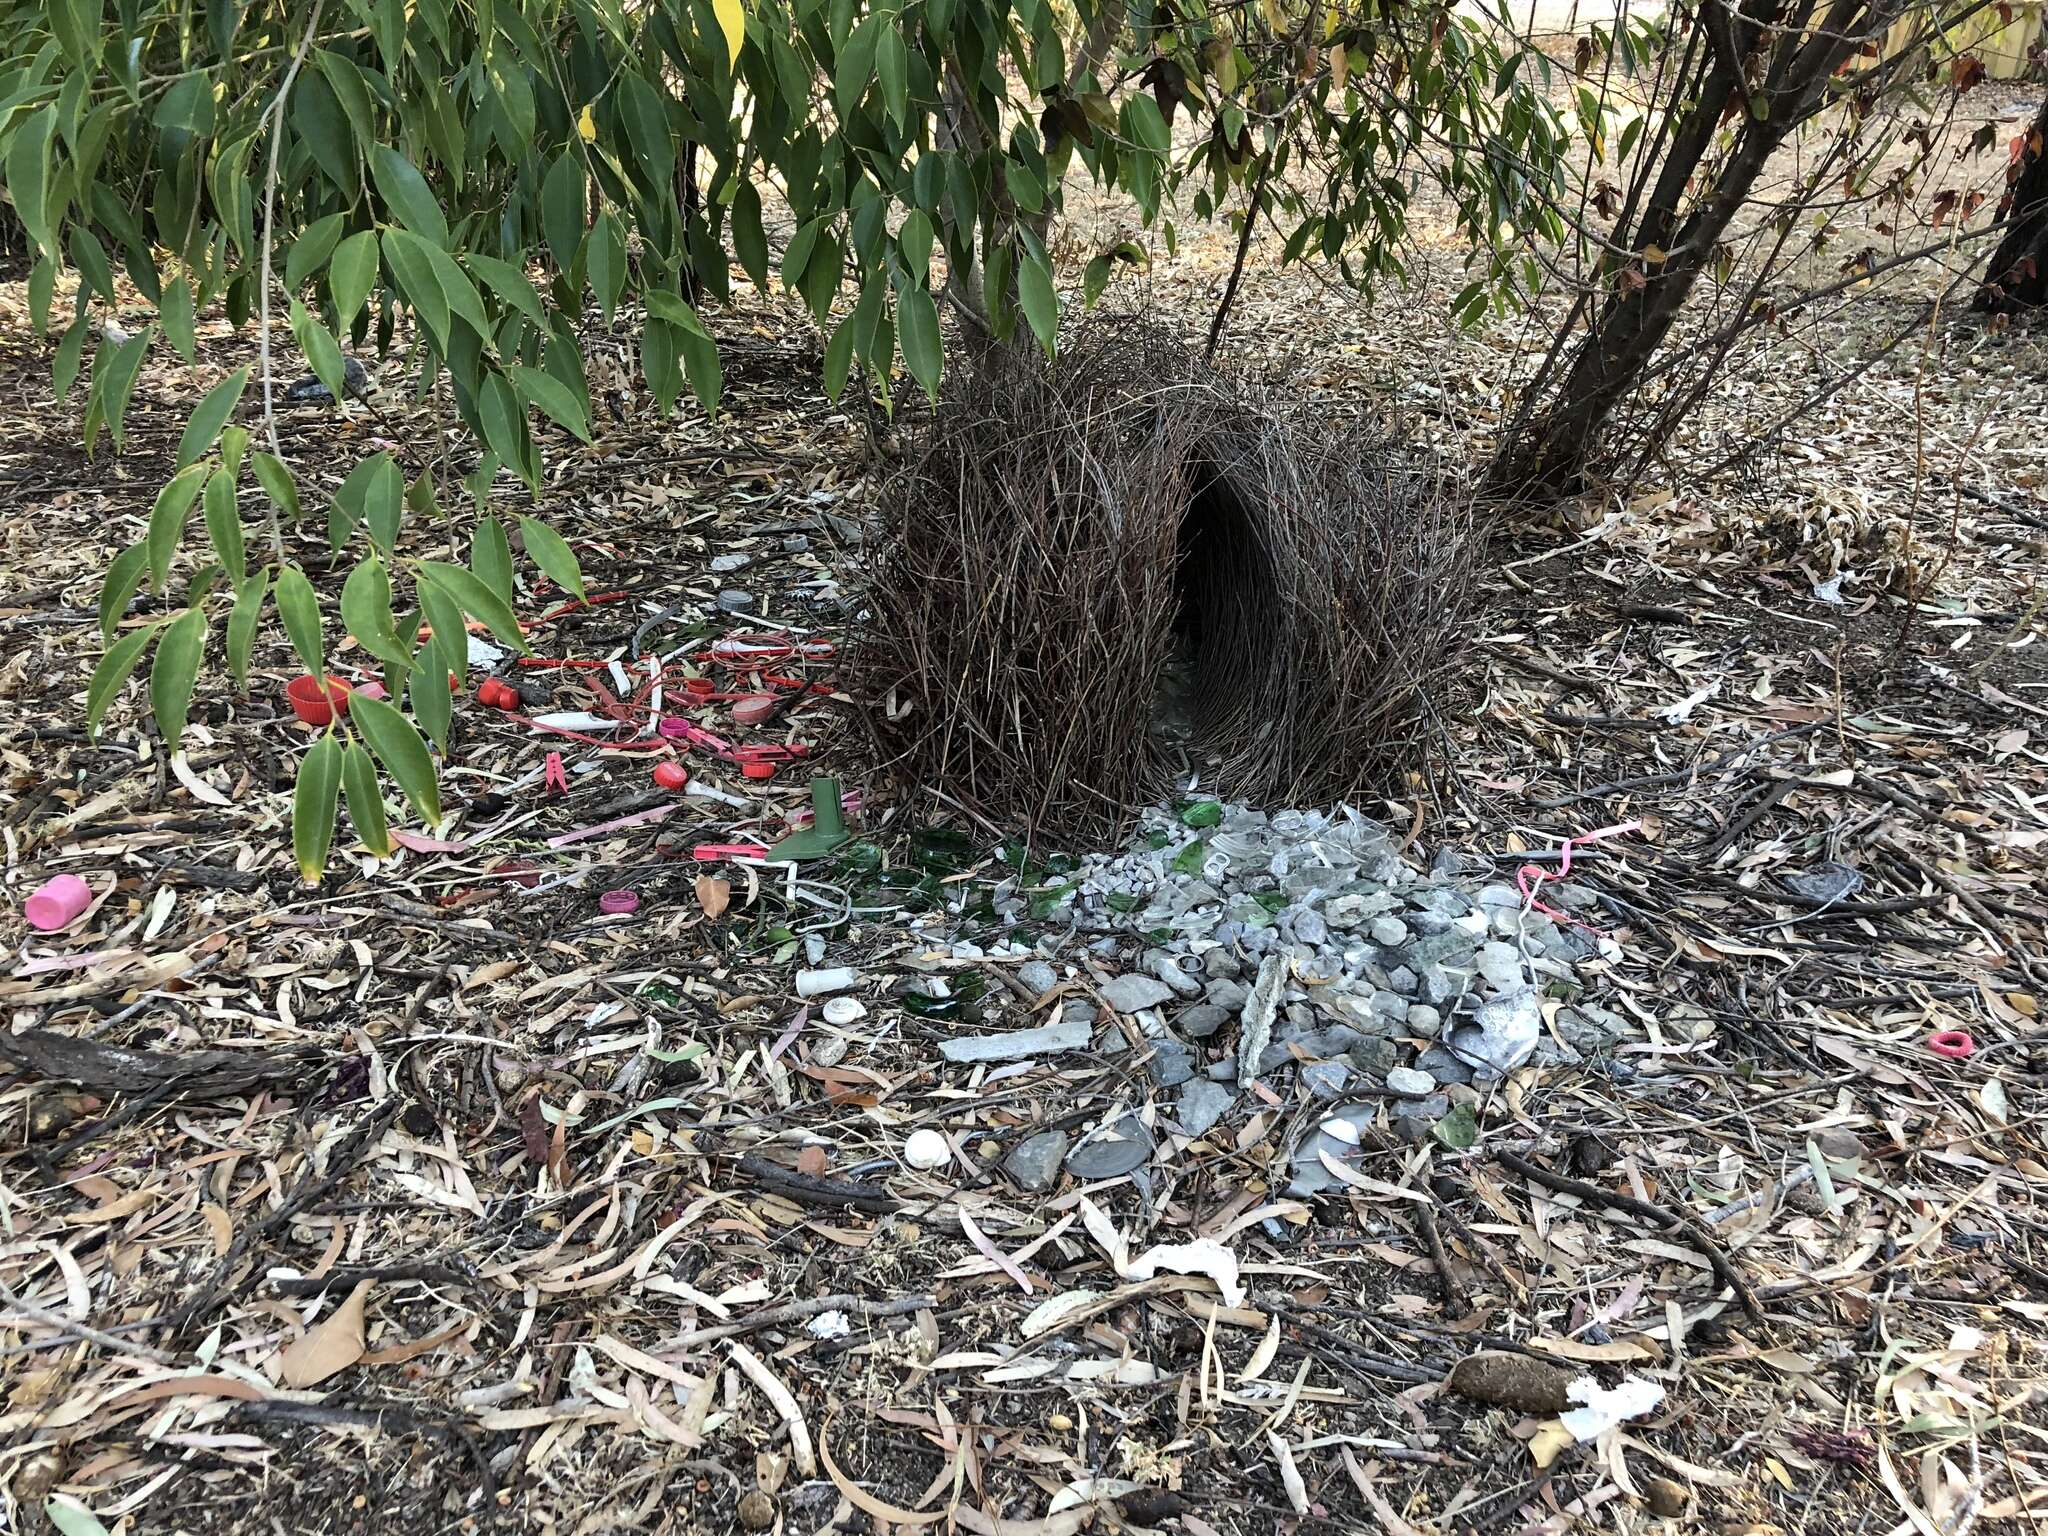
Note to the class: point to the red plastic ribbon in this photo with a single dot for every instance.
(1530, 876)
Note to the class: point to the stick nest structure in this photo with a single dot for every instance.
(1072, 543)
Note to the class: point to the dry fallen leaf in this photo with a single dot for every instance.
(713, 895)
(335, 1344)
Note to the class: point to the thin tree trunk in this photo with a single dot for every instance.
(2017, 278)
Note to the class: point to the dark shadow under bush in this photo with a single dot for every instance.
(1063, 538)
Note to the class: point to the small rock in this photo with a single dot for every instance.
(1202, 1104)
(1110, 1151)
(1326, 1079)
(1067, 1035)
(1310, 930)
(1168, 970)
(1202, 1020)
(1171, 1063)
(1034, 1162)
(1501, 966)
(1038, 977)
(757, 1511)
(720, 564)
(1442, 1065)
(1410, 1083)
(1509, 1380)
(1220, 964)
(1402, 980)
(1424, 1021)
(1135, 993)
(1228, 993)
(1390, 932)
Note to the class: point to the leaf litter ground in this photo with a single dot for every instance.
(442, 1202)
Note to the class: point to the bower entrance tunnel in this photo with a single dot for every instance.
(1226, 608)
(1119, 577)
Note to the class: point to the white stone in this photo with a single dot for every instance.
(926, 1150)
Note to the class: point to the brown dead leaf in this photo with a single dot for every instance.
(335, 1343)
(713, 895)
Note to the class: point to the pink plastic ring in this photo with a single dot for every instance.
(618, 903)
(673, 727)
(1952, 1043)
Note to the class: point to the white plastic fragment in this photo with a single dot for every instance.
(1606, 1407)
(824, 983)
(926, 1150)
(845, 1010)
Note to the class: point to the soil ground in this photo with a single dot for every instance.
(542, 1185)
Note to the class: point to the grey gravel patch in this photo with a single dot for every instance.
(1034, 1163)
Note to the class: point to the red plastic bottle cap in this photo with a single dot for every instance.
(755, 708)
(618, 903)
(699, 687)
(757, 771)
(671, 775)
(315, 704)
(1952, 1043)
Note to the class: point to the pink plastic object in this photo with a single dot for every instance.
(1952, 1043)
(1531, 876)
(618, 903)
(755, 708)
(372, 690)
(673, 727)
(56, 903)
(707, 853)
(313, 704)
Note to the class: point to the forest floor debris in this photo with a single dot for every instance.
(613, 1230)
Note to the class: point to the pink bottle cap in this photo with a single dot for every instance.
(56, 903)
(618, 903)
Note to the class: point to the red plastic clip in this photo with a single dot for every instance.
(1955, 1044)
(709, 853)
(554, 777)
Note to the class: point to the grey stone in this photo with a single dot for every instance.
(1410, 1083)
(1401, 979)
(1038, 977)
(1424, 1021)
(1391, 1006)
(1375, 1058)
(1325, 1079)
(1224, 1071)
(1111, 1151)
(1505, 1032)
(1390, 931)
(1202, 1104)
(1226, 992)
(1440, 987)
(1067, 1035)
(1077, 1010)
(1256, 1021)
(1034, 1162)
(1168, 970)
(1171, 1063)
(1202, 1020)
(1443, 1066)
(1501, 966)
(1134, 993)
(1324, 1043)
(1220, 964)
(1310, 929)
